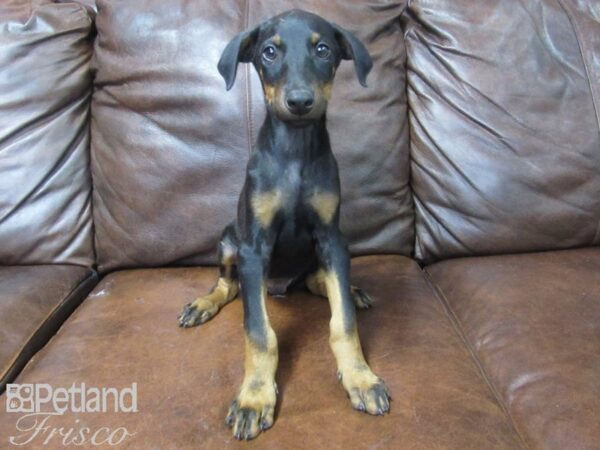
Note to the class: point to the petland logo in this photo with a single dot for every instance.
(39, 403)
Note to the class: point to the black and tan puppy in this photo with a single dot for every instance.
(288, 211)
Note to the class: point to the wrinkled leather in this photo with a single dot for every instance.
(584, 17)
(34, 301)
(170, 145)
(18, 10)
(505, 140)
(534, 323)
(45, 87)
(126, 331)
(90, 5)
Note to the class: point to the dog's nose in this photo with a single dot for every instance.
(300, 101)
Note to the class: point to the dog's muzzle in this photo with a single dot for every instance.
(300, 101)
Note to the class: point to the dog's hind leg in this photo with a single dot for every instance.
(315, 283)
(226, 289)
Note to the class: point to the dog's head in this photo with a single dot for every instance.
(296, 55)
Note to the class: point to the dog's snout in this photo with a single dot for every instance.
(300, 101)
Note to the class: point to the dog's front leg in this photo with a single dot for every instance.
(366, 390)
(253, 409)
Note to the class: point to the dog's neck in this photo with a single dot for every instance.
(291, 140)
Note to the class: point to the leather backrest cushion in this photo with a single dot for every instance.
(90, 5)
(45, 88)
(170, 145)
(505, 144)
(19, 10)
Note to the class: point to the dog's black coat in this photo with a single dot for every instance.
(292, 155)
(288, 212)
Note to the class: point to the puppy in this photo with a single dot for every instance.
(288, 212)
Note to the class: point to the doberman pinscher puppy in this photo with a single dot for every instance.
(288, 212)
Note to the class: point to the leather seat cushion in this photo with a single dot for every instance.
(534, 323)
(34, 302)
(126, 331)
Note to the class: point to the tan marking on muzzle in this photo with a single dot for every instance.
(270, 93)
(327, 88)
(323, 90)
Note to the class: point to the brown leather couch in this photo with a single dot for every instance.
(470, 171)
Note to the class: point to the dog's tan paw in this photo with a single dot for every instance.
(367, 392)
(197, 313)
(204, 308)
(361, 299)
(252, 411)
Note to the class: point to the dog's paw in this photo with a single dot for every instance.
(252, 412)
(367, 392)
(361, 299)
(195, 314)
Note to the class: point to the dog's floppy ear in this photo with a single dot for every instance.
(352, 48)
(240, 49)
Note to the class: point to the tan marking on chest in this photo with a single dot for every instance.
(325, 205)
(265, 205)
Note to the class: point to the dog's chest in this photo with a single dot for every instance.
(295, 185)
(291, 178)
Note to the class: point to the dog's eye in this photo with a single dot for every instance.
(269, 53)
(322, 50)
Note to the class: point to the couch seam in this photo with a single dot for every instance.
(417, 251)
(415, 240)
(5, 376)
(90, 165)
(577, 34)
(456, 324)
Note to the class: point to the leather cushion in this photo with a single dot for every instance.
(534, 323)
(504, 103)
(45, 86)
(35, 301)
(126, 331)
(19, 10)
(170, 145)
